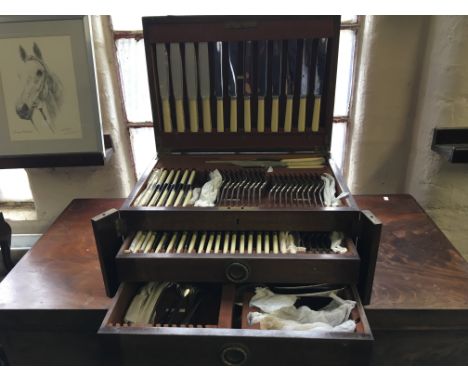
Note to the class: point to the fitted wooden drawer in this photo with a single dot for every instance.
(317, 264)
(219, 336)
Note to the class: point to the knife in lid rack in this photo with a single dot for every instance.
(192, 85)
(248, 84)
(233, 48)
(262, 74)
(163, 82)
(289, 87)
(205, 92)
(305, 76)
(320, 67)
(218, 86)
(276, 82)
(177, 77)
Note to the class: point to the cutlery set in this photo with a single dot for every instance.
(230, 242)
(241, 86)
(240, 187)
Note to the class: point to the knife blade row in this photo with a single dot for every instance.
(232, 242)
(275, 86)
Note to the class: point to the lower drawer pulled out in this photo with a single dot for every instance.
(219, 334)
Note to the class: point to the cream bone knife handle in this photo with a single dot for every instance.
(170, 184)
(302, 115)
(206, 115)
(247, 117)
(167, 120)
(233, 125)
(176, 188)
(220, 115)
(181, 188)
(188, 196)
(261, 115)
(163, 194)
(316, 115)
(274, 114)
(180, 116)
(157, 188)
(193, 111)
(288, 115)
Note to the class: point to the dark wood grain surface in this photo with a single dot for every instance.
(417, 266)
(62, 270)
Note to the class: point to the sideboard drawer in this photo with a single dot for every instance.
(219, 336)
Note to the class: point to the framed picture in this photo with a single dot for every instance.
(49, 108)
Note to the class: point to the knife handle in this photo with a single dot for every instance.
(288, 115)
(247, 119)
(274, 114)
(206, 115)
(180, 116)
(193, 109)
(170, 199)
(261, 115)
(167, 116)
(302, 115)
(316, 116)
(220, 115)
(233, 125)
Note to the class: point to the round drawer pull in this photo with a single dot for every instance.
(234, 355)
(237, 272)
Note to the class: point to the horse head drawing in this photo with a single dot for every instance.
(42, 89)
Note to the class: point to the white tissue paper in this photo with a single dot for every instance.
(278, 312)
(195, 196)
(210, 189)
(288, 245)
(336, 238)
(329, 198)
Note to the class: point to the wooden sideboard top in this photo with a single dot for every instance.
(418, 268)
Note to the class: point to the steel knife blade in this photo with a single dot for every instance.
(248, 83)
(276, 74)
(262, 74)
(290, 79)
(320, 69)
(218, 85)
(205, 91)
(177, 77)
(162, 66)
(233, 52)
(192, 84)
(305, 77)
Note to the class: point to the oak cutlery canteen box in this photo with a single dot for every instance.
(243, 193)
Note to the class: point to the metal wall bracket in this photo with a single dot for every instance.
(452, 144)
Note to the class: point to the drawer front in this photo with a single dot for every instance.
(224, 344)
(171, 258)
(168, 346)
(240, 269)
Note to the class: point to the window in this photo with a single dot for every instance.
(16, 201)
(14, 186)
(133, 75)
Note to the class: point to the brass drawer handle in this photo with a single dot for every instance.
(234, 355)
(237, 272)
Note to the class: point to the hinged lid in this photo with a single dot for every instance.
(242, 83)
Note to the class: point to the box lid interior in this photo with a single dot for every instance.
(230, 29)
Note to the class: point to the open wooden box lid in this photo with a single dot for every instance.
(198, 29)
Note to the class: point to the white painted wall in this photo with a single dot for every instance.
(441, 187)
(412, 76)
